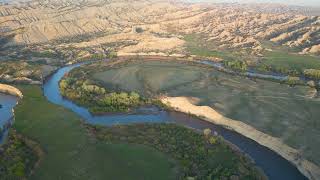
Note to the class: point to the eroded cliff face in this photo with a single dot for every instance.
(230, 26)
(7, 89)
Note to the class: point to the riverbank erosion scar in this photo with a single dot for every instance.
(187, 105)
(7, 89)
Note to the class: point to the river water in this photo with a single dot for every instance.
(7, 102)
(274, 166)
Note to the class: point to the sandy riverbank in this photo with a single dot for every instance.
(187, 105)
(7, 89)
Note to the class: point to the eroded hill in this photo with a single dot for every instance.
(142, 26)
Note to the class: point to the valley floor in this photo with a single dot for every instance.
(76, 150)
(272, 114)
(72, 154)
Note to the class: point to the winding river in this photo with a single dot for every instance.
(6, 114)
(274, 166)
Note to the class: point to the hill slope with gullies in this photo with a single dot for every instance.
(141, 25)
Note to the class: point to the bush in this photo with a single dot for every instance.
(236, 65)
(97, 56)
(112, 54)
(265, 68)
(138, 29)
(213, 140)
(293, 80)
(93, 89)
(312, 73)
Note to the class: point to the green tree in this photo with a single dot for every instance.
(236, 65)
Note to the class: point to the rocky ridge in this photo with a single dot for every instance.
(228, 26)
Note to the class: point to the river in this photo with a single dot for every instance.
(273, 165)
(6, 115)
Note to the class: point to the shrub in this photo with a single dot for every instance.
(312, 73)
(265, 68)
(213, 140)
(138, 29)
(293, 80)
(112, 54)
(97, 56)
(236, 65)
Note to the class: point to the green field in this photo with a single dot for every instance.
(71, 153)
(133, 77)
(196, 45)
(279, 110)
(291, 61)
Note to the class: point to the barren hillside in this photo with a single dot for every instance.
(155, 26)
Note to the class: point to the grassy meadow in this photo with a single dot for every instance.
(290, 61)
(196, 45)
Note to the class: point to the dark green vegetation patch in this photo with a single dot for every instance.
(17, 159)
(198, 156)
(96, 98)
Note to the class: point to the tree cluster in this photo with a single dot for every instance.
(236, 65)
(16, 158)
(199, 156)
(97, 98)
